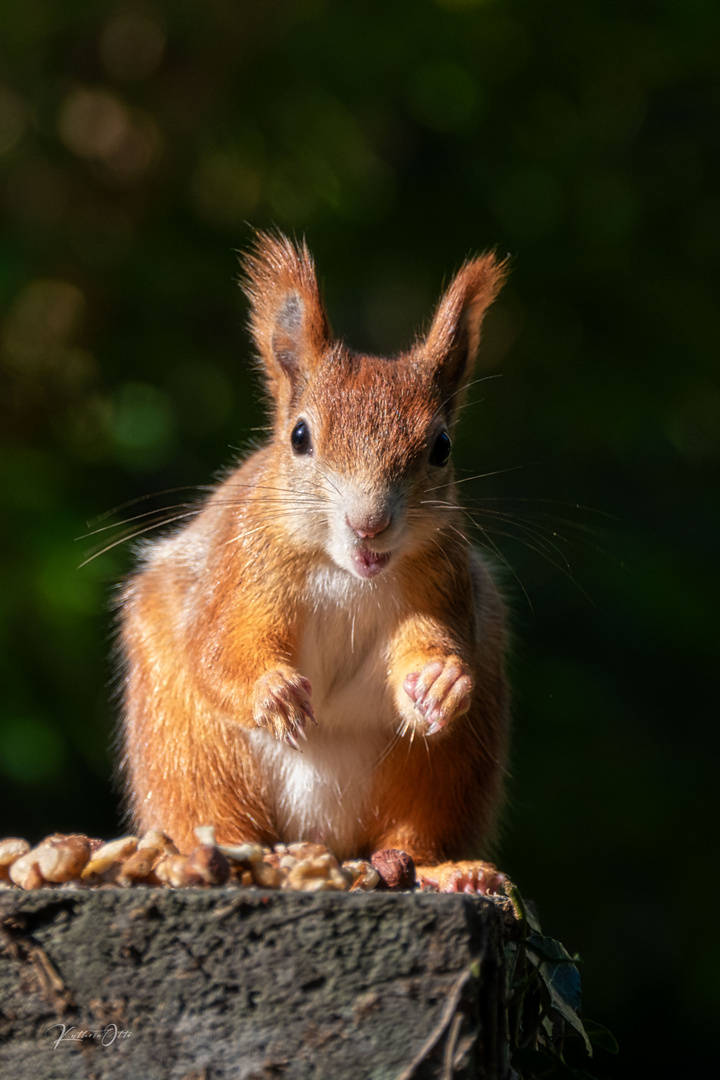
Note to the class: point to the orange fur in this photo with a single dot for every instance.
(319, 580)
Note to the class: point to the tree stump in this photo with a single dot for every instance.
(195, 984)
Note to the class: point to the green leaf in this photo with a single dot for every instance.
(512, 952)
(548, 948)
(564, 980)
(560, 975)
(600, 1036)
(566, 1010)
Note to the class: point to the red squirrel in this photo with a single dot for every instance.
(319, 653)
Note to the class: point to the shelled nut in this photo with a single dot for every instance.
(208, 865)
(25, 872)
(104, 861)
(242, 853)
(364, 875)
(319, 874)
(62, 858)
(10, 850)
(138, 866)
(153, 838)
(171, 870)
(266, 876)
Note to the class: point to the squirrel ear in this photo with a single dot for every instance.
(287, 317)
(452, 343)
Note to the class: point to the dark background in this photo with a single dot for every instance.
(137, 141)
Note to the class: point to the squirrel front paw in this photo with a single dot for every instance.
(440, 691)
(281, 703)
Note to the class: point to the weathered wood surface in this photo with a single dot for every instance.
(219, 983)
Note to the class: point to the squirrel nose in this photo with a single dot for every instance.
(368, 528)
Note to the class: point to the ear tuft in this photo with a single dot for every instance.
(452, 342)
(287, 317)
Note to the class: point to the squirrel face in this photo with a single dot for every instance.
(363, 442)
(368, 439)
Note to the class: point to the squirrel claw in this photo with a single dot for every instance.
(282, 705)
(440, 691)
(307, 709)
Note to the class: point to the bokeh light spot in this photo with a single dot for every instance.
(132, 44)
(43, 320)
(96, 125)
(141, 419)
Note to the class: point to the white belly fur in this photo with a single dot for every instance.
(323, 793)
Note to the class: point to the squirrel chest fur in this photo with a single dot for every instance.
(319, 653)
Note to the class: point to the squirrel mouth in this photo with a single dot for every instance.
(368, 563)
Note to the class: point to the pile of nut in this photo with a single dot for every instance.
(77, 861)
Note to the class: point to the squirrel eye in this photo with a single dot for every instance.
(440, 453)
(300, 438)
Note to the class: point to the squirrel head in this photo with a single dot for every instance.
(367, 435)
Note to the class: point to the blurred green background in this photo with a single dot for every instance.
(137, 143)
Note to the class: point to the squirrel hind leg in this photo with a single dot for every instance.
(177, 802)
(467, 876)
